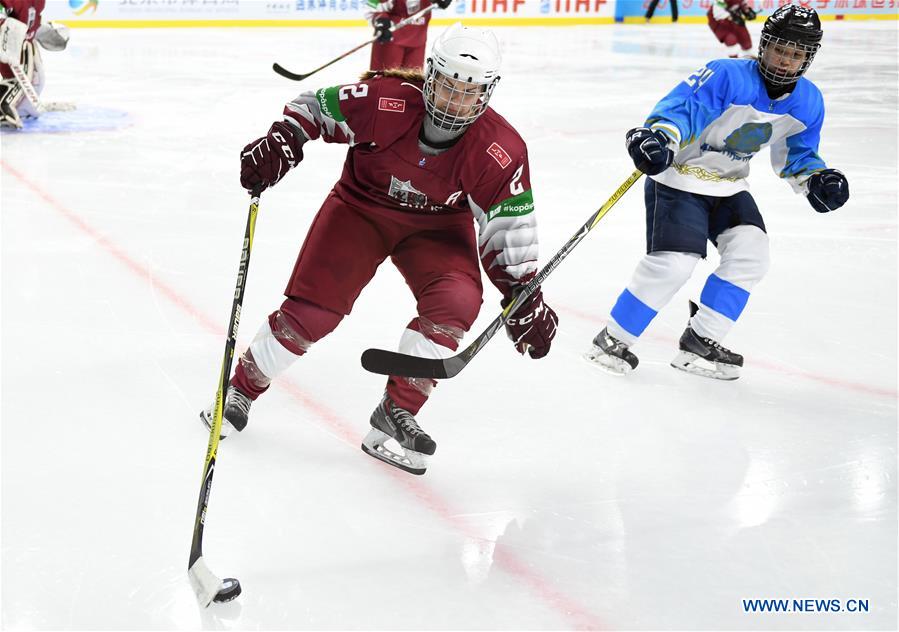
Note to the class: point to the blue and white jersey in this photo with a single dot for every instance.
(721, 116)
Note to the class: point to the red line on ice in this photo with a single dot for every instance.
(770, 366)
(578, 615)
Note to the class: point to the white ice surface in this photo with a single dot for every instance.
(560, 497)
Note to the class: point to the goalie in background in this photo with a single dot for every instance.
(20, 28)
(727, 19)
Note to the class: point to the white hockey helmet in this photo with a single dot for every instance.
(460, 76)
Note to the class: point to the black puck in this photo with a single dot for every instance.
(230, 590)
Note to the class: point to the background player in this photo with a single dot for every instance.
(404, 48)
(696, 147)
(651, 9)
(727, 19)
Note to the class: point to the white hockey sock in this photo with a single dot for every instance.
(414, 342)
(744, 262)
(269, 355)
(656, 279)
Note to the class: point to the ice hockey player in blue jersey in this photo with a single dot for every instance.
(696, 146)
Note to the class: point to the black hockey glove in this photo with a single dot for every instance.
(443, 4)
(649, 150)
(382, 29)
(533, 325)
(749, 13)
(828, 190)
(736, 15)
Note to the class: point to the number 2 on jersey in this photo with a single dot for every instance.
(515, 187)
(355, 91)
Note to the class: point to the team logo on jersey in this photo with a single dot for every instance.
(391, 105)
(746, 141)
(406, 194)
(499, 155)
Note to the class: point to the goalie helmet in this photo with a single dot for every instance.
(460, 76)
(790, 38)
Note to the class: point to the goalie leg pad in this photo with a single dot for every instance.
(33, 66)
(10, 96)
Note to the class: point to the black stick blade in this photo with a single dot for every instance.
(281, 70)
(392, 363)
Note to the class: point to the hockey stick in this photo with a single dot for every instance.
(403, 365)
(278, 68)
(206, 585)
(32, 95)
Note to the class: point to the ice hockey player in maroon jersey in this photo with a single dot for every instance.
(426, 153)
(20, 27)
(406, 47)
(727, 19)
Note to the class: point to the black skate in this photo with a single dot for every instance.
(389, 421)
(705, 357)
(235, 415)
(611, 354)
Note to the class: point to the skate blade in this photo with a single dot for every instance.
(412, 461)
(610, 364)
(692, 363)
(206, 419)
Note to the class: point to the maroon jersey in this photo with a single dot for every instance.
(726, 9)
(485, 173)
(413, 34)
(27, 11)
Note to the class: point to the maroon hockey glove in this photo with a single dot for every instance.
(265, 161)
(533, 325)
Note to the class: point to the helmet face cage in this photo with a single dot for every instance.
(770, 45)
(453, 103)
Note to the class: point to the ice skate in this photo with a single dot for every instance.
(389, 421)
(705, 357)
(611, 354)
(234, 416)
